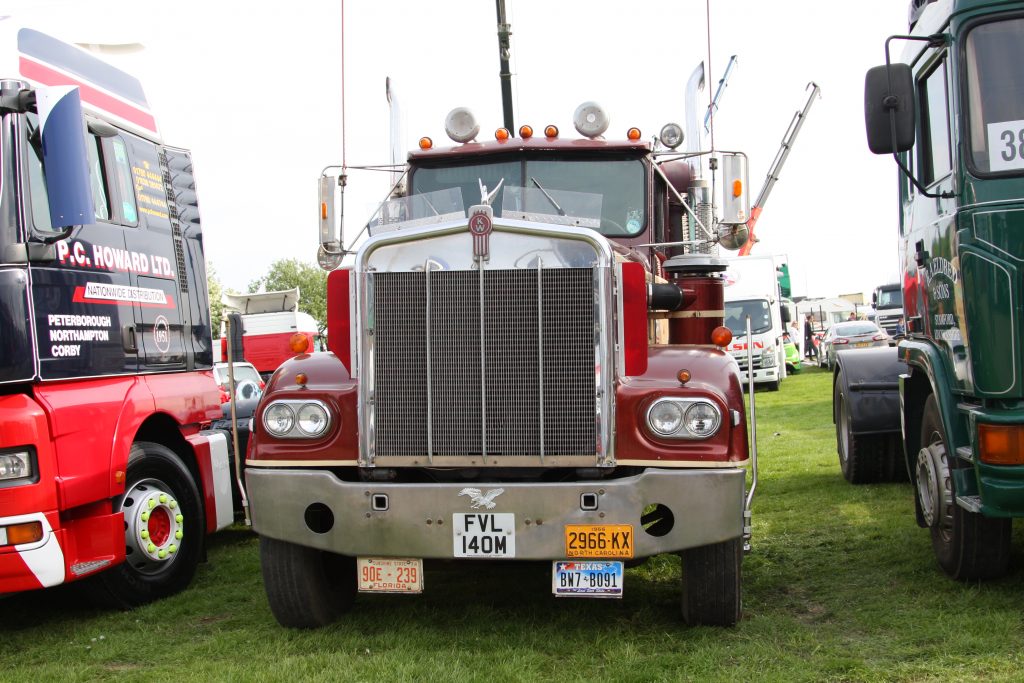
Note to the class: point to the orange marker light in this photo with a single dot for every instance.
(737, 188)
(551, 132)
(721, 336)
(526, 132)
(633, 133)
(301, 379)
(298, 343)
(1000, 444)
(29, 532)
(323, 211)
(501, 134)
(426, 143)
(119, 477)
(683, 376)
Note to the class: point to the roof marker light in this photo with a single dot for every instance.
(551, 131)
(502, 134)
(721, 336)
(526, 132)
(426, 143)
(461, 125)
(633, 134)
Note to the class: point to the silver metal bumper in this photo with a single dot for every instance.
(707, 506)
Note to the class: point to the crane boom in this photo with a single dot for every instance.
(777, 164)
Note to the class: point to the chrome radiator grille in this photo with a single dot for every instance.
(505, 367)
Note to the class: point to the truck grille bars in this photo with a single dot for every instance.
(483, 364)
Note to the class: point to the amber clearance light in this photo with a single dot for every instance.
(17, 534)
(426, 143)
(551, 132)
(1001, 444)
(501, 134)
(633, 134)
(721, 336)
(526, 132)
(298, 343)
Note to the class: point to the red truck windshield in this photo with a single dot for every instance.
(611, 192)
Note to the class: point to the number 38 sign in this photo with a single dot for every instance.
(1006, 145)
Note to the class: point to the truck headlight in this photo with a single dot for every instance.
(296, 419)
(768, 358)
(683, 418)
(15, 465)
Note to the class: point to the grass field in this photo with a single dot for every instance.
(841, 585)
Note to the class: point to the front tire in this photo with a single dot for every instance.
(712, 584)
(164, 530)
(967, 545)
(306, 588)
(863, 458)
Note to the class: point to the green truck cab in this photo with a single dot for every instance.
(948, 402)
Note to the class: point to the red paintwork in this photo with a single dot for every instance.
(24, 422)
(713, 375)
(266, 352)
(700, 293)
(534, 144)
(15, 576)
(327, 380)
(93, 537)
(339, 315)
(634, 318)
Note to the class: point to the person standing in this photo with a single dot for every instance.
(810, 350)
(796, 337)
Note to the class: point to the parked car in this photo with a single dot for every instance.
(855, 334)
(793, 360)
(248, 383)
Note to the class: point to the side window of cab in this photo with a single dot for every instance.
(934, 152)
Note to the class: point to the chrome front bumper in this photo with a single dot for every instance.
(706, 504)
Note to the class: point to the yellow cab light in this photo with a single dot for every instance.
(526, 132)
(1001, 444)
(551, 131)
(633, 134)
(502, 134)
(301, 379)
(426, 143)
(737, 187)
(298, 343)
(721, 336)
(27, 532)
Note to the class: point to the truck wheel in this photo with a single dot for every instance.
(967, 545)
(773, 386)
(164, 528)
(306, 588)
(712, 584)
(861, 458)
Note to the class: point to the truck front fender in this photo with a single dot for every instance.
(869, 381)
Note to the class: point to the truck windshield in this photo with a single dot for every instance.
(608, 194)
(736, 313)
(995, 95)
(890, 298)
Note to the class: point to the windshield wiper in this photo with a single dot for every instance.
(561, 212)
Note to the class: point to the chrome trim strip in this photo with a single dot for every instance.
(483, 362)
(540, 350)
(430, 416)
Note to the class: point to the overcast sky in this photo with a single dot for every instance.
(254, 89)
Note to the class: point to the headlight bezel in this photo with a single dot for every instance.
(27, 456)
(295, 406)
(682, 432)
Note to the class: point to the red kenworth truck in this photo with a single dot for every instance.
(108, 468)
(526, 364)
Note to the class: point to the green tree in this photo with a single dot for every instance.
(216, 307)
(309, 278)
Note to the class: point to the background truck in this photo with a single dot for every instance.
(108, 468)
(887, 300)
(492, 391)
(752, 290)
(952, 114)
(269, 323)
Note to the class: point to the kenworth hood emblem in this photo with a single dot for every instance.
(480, 499)
(480, 225)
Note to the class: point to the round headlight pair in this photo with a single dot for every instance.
(296, 419)
(683, 418)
